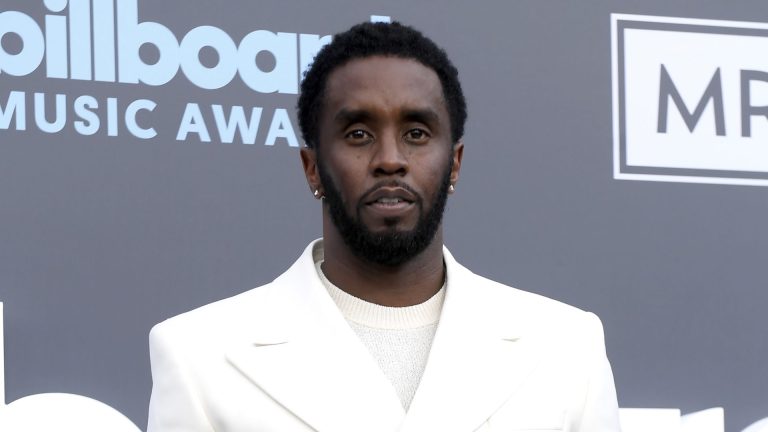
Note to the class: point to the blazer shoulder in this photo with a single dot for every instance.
(221, 317)
(539, 301)
(262, 308)
(256, 299)
(561, 328)
(537, 311)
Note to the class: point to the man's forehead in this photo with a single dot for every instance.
(365, 83)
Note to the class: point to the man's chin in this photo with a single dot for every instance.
(388, 246)
(381, 224)
(393, 231)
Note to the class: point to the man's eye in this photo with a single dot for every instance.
(417, 135)
(358, 135)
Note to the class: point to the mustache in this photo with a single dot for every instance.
(390, 184)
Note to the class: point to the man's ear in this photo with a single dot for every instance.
(458, 154)
(309, 161)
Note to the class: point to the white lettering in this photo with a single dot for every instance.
(89, 115)
(309, 45)
(89, 124)
(80, 39)
(55, 5)
(31, 55)
(56, 62)
(202, 76)
(193, 122)
(281, 128)
(112, 116)
(60, 113)
(237, 122)
(130, 118)
(380, 18)
(104, 40)
(283, 77)
(132, 35)
(16, 105)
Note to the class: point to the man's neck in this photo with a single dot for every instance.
(410, 283)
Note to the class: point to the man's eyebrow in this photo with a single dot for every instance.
(349, 116)
(421, 115)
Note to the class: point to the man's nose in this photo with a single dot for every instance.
(389, 157)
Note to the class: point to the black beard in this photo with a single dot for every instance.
(392, 247)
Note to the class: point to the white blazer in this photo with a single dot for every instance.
(282, 358)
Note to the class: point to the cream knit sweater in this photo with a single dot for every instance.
(399, 338)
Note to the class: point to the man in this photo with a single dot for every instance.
(376, 327)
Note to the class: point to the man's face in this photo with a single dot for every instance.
(385, 157)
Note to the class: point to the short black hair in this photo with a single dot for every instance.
(371, 39)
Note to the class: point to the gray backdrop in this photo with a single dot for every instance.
(101, 237)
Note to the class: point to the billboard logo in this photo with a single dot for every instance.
(104, 41)
(690, 100)
(101, 40)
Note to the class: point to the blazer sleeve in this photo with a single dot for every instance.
(601, 410)
(174, 405)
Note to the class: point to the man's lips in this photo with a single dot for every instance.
(390, 201)
(390, 196)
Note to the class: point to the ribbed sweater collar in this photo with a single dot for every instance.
(383, 317)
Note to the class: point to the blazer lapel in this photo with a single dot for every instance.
(310, 361)
(479, 358)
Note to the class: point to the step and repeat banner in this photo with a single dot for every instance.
(616, 159)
